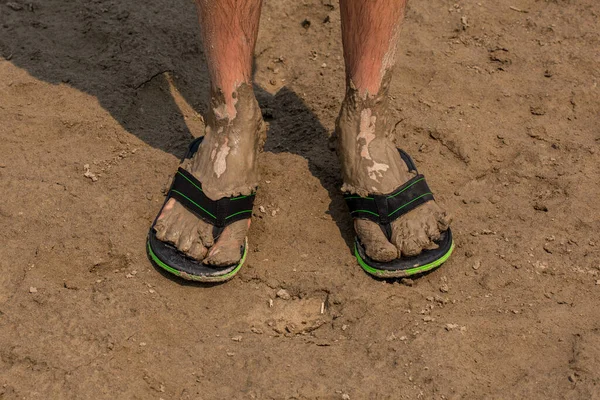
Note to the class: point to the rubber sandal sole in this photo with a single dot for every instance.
(227, 274)
(380, 273)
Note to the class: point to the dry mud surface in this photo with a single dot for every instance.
(498, 101)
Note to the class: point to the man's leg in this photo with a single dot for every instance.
(370, 161)
(226, 162)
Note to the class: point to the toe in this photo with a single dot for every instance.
(444, 219)
(410, 237)
(173, 231)
(188, 237)
(432, 229)
(224, 256)
(167, 218)
(398, 234)
(161, 229)
(433, 234)
(205, 231)
(410, 248)
(227, 249)
(197, 251)
(415, 239)
(167, 208)
(376, 244)
(163, 222)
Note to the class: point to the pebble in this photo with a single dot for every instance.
(464, 22)
(345, 396)
(477, 265)
(537, 109)
(450, 327)
(89, 174)
(32, 289)
(439, 299)
(14, 6)
(444, 288)
(427, 318)
(237, 338)
(494, 199)
(262, 209)
(541, 265)
(283, 294)
(70, 285)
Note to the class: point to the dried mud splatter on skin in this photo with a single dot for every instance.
(513, 313)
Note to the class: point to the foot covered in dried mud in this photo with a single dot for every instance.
(400, 229)
(206, 218)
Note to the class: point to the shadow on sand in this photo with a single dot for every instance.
(121, 52)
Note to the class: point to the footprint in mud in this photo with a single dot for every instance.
(294, 316)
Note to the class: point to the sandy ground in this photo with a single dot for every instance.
(498, 102)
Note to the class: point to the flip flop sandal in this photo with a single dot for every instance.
(383, 210)
(188, 191)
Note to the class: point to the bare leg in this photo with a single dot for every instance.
(370, 161)
(226, 161)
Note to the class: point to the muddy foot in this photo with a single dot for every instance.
(371, 164)
(226, 164)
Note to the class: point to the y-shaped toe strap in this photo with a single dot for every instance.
(383, 209)
(386, 208)
(188, 191)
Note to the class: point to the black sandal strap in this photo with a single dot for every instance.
(384, 209)
(188, 191)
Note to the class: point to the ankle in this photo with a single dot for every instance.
(226, 162)
(366, 149)
(239, 104)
